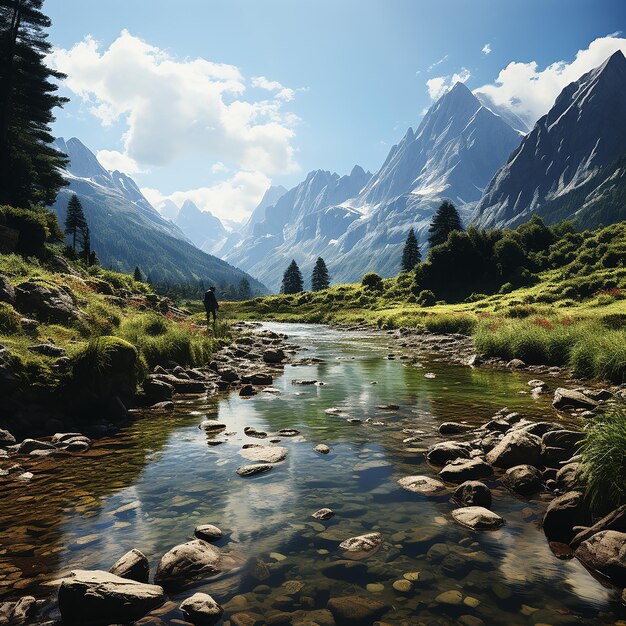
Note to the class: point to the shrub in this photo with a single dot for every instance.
(372, 280)
(101, 318)
(600, 355)
(520, 311)
(9, 319)
(506, 288)
(426, 298)
(35, 226)
(448, 324)
(604, 462)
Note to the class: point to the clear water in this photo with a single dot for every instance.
(63, 519)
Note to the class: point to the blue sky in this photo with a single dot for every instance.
(315, 84)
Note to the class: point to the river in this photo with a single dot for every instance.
(68, 516)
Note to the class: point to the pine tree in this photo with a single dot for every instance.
(86, 237)
(411, 255)
(319, 277)
(245, 293)
(446, 220)
(75, 222)
(137, 275)
(292, 279)
(29, 165)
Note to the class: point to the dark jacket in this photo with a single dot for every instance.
(210, 301)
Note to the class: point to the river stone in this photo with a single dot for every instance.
(98, 597)
(605, 552)
(133, 565)
(402, 586)
(356, 610)
(288, 432)
(273, 355)
(516, 448)
(362, 544)
(19, 612)
(201, 609)
(257, 378)
(452, 597)
(446, 451)
(422, 484)
(29, 445)
(208, 532)
(453, 428)
(465, 469)
(186, 563)
(473, 493)
(211, 425)
(265, 454)
(571, 399)
(615, 520)
(523, 479)
(563, 514)
(252, 470)
(6, 438)
(477, 518)
(568, 439)
(322, 448)
(323, 514)
(569, 476)
(250, 431)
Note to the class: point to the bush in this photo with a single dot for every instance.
(372, 280)
(426, 298)
(9, 319)
(600, 355)
(448, 324)
(35, 226)
(101, 318)
(603, 461)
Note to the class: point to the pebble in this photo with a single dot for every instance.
(452, 597)
(402, 586)
(375, 587)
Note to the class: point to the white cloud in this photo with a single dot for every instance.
(439, 85)
(115, 160)
(487, 49)
(218, 168)
(230, 199)
(530, 92)
(436, 63)
(174, 108)
(282, 93)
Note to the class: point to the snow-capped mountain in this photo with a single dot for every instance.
(202, 228)
(126, 231)
(568, 158)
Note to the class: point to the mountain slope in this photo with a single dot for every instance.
(553, 168)
(127, 231)
(202, 228)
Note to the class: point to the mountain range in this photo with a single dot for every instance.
(126, 231)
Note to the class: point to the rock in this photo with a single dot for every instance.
(167, 405)
(18, 613)
(246, 391)
(423, 485)
(46, 303)
(515, 364)
(201, 609)
(323, 514)
(273, 355)
(303, 382)
(228, 375)
(446, 451)
(28, 445)
(265, 454)
(250, 431)
(466, 469)
(615, 520)
(473, 493)
(605, 552)
(63, 437)
(562, 514)
(537, 384)
(7, 291)
(257, 378)
(133, 565)
(477, 518)
(208, 532)
(246, 618)
(454, 428)
(6, 438)
(48, 349)
(402, 586)
(187, 563)
(362, 544)
(569, 476)
(97, 597)
(288, 432)
(516, 448)
(523, 479)
(182, 385)
(356, 610)
(157, 390)
(453, 597)
(211, 425)
(570, 399)
(568, 439)
(322, 448)
(253, 470)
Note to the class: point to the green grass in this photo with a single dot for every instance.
(604, 462)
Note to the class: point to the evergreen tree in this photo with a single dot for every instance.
(292, 279)
(29, 165)
(75, 222)
(93, 258)
(245, 293)
(319, 277)
(86, 237)
(411, 255)
(137, 275)
(446, 220)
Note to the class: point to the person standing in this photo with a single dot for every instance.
(211, 305)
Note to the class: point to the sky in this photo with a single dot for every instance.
(214, 100)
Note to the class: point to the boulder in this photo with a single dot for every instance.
(562, 514)
(257, 378)
(423, 485)
(250, 431)
(362, 544)
(46, 303)
(19, 612)
(211, 426)
(208, 532)
(157, 390)
(265, 454)
(516, 364)
(605, 552)
(465, 469)
(201, 609)
(133, 565)
(446, 451)
(473, 493)
(356, 610)
(247, 391)
(187, 563)
(253, 470)
(7, 291)
(571, 399)
(322, 448)
(323, 514)
(454, 428)
(569, 476)
(516, 448)
(477, 518)
(6, 438)
(28, 445)
(48, 349)
(567, 439)
(615, 520)
(97, 597)
(523, 479)
(273, 355)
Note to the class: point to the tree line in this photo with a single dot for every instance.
(294, 283)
